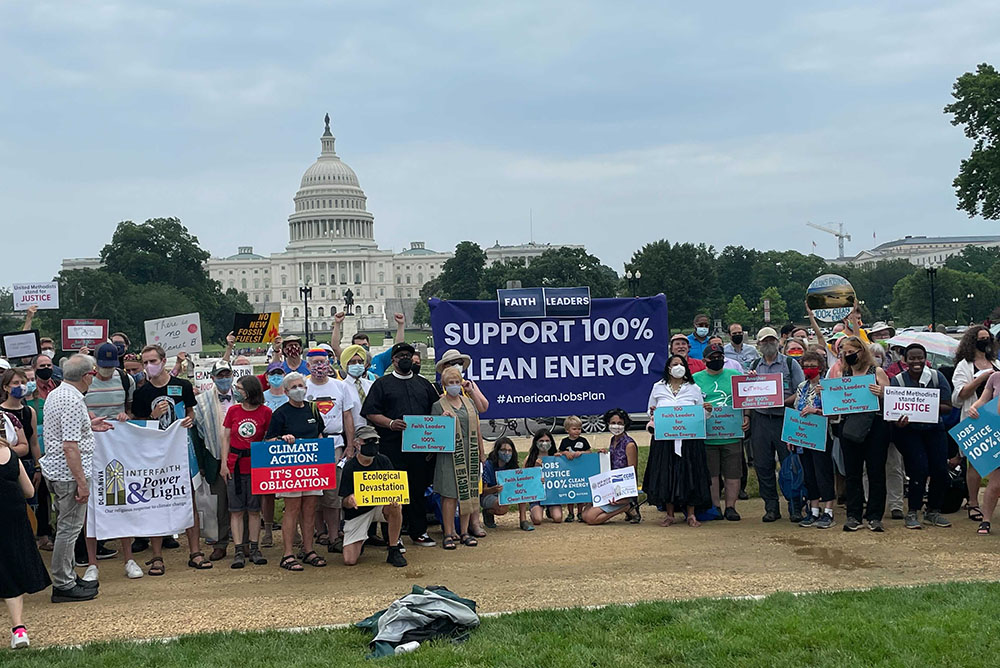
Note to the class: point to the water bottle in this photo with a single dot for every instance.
(406, 648)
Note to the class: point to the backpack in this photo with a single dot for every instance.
(791, 479)
(124, 378)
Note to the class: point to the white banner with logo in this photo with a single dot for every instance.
(140, 482)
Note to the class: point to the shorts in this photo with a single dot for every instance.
(725, 460)
(238, 493)
(298, 495)
(489, 501)
(356, 530)
(331, 499)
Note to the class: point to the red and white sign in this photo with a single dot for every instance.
(79, 333)
(764, 390)
(42, 295)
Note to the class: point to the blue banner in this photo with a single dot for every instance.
(521, 303)
(805, 432)
(568, 480)
(679, 422)
(979, 439)
(546, 367)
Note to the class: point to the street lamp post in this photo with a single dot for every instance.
(972, 306)
(306, 292)
(932, 274)
(885, 313)
(954, 300)
(633, 281)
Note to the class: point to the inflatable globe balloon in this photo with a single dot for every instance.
(831, 297)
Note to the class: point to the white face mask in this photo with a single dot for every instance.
(616, 429)
(48, 352)
(677, 371)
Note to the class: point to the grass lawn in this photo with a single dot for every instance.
(953, 624)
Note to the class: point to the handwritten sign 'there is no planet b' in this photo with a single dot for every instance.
(429, 433)
(177, 334)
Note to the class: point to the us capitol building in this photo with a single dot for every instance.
(331, 248)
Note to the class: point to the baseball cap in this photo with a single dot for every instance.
(766, 332)
(107, 355)
(679, 337)
(402, 346)
(714, 348)
(365, 432)
(275, 366)
(220, 366)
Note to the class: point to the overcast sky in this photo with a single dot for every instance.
(614, 123)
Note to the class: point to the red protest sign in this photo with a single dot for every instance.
(77, 333)
(764, 390)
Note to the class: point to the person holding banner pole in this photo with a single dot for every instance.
(925, 446)
(864, 450)
(456, 474)
(297, 420)
(817, 466)
(677, 472)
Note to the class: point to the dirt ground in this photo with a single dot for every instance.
(553, 566)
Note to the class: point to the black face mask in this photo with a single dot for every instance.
(415, 367)
(715, 365)
(44, 374)
(736, 338)
(404, 365)
(851, 359)
(983, 345)
(120, 347)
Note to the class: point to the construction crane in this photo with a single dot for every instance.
(839, 233)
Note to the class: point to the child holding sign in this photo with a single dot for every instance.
(503, 457)
(542, 445)
(817, 467)
(572, 447)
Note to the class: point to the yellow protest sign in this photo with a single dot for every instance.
(256, 327)
(379, 488)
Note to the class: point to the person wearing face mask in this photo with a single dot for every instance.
(737, 350)
(724, 455)
(43, 512)
(133, 367)
(817, 466)
(456, 474)
(677, 471)
(208, 437)
(895, 478)
(716, 340)
(380, 363)
(13, 402)
(291, 353)
(975, 362)
(470, 390)
(766, 423)
(48, 349)
(925, 446)
(699, 338)
(297, 419)
(66, 466)
(121, 343)
(680, 345)
(623, 453)
(795, 347)
(503, 457)
(354, 361)
(274, 395)
(45, 381)
(403, 392)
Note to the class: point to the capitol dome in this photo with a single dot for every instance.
(330, 206)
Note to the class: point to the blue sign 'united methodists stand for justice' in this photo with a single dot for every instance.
(550, 366)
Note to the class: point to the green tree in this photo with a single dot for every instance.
(499, 273)
(568, 268)
(974, 259)
(873, 284)
(912, 297)
(736, 268)
(977, 108)
(421, 313)
(738, 311)
(790, 272)
(685, 273)
(778, 308)
(461, 274)
(9, 321)
(161, 250)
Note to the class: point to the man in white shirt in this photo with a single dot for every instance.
(335, 403)
(69, 434)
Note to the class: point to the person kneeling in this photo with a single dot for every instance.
(357, 520)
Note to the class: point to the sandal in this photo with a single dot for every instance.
(693, 521)
(202, 564)
(45, 543)
(155, 570)
(469, 541)
(289, 563)
(984, 529)
(449, 542)
(322, 539)
(478, 532)
(975, 513)
(314, 560)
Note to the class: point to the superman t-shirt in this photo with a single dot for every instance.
(332, 399)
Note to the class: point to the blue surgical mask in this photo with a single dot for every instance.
(223, 384)
(275, 380)
(138, 377)
(17, 392)
(355, 370)
(453, 390)
(30, 387)
(239, 396)
(504, 457)
(120, 347)
(701, 332)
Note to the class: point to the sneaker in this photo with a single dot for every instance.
(239, 561)
(936, 519)
(732, 515)
(527, 526)
(743, 496)
(132, 570)
(72, 594)
(90, 575)
(876, 526)
(824, 521)
(771, 516)
(170, 543)
(423, 540)
(579, 518)
(796, 518)
(400, 546)
(106, 552)
(140, 545)
(912, 521)
(19, 638)
(809, 520)
(266, 538)
(395, 557)
(569, 516)
(88, 584)
(897, 514)
(81, 562)
(256, 558)
(489, 520)
(852, 524)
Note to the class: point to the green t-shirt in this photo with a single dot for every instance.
(718, 391)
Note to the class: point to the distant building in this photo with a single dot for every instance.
(530, 251)
(919, 250)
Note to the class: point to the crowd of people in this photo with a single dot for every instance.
(360, 400)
